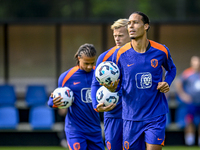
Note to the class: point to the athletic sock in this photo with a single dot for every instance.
(189, 139)
(199, 140)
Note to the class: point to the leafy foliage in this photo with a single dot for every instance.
(99, 9)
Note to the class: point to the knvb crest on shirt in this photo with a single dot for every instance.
(154, 63)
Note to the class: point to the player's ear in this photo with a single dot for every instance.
(79, 58)
(146, 26)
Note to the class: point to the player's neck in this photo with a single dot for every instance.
(140, 45)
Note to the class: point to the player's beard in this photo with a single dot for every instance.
(132, 38)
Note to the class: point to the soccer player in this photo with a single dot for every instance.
(112, 113)
(144, 105)
(82, 122)
(188, 90)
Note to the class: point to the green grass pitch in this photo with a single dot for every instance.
(60, 148)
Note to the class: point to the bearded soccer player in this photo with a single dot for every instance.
(144, 105)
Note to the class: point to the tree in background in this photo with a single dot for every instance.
(99, 9)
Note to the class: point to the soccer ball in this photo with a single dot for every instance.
(107, 72)
(103, 95)
(67, 95)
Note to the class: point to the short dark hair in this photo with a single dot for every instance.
(86, 49)
(145, 18)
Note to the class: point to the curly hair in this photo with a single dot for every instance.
(145, 18)
(86, 49)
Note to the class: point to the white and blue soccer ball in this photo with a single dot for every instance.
(66, 93)
(106, 97)
(107, 72)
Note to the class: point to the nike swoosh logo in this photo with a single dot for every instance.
(130, 64)
(159, 139)
(75, 83)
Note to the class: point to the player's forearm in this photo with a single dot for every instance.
(50, 102)
(170, 75)
(94, 89)
(179, 88)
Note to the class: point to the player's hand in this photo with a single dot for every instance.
(57, 101)
(112, 87)
(163, 87)
(102, 108)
